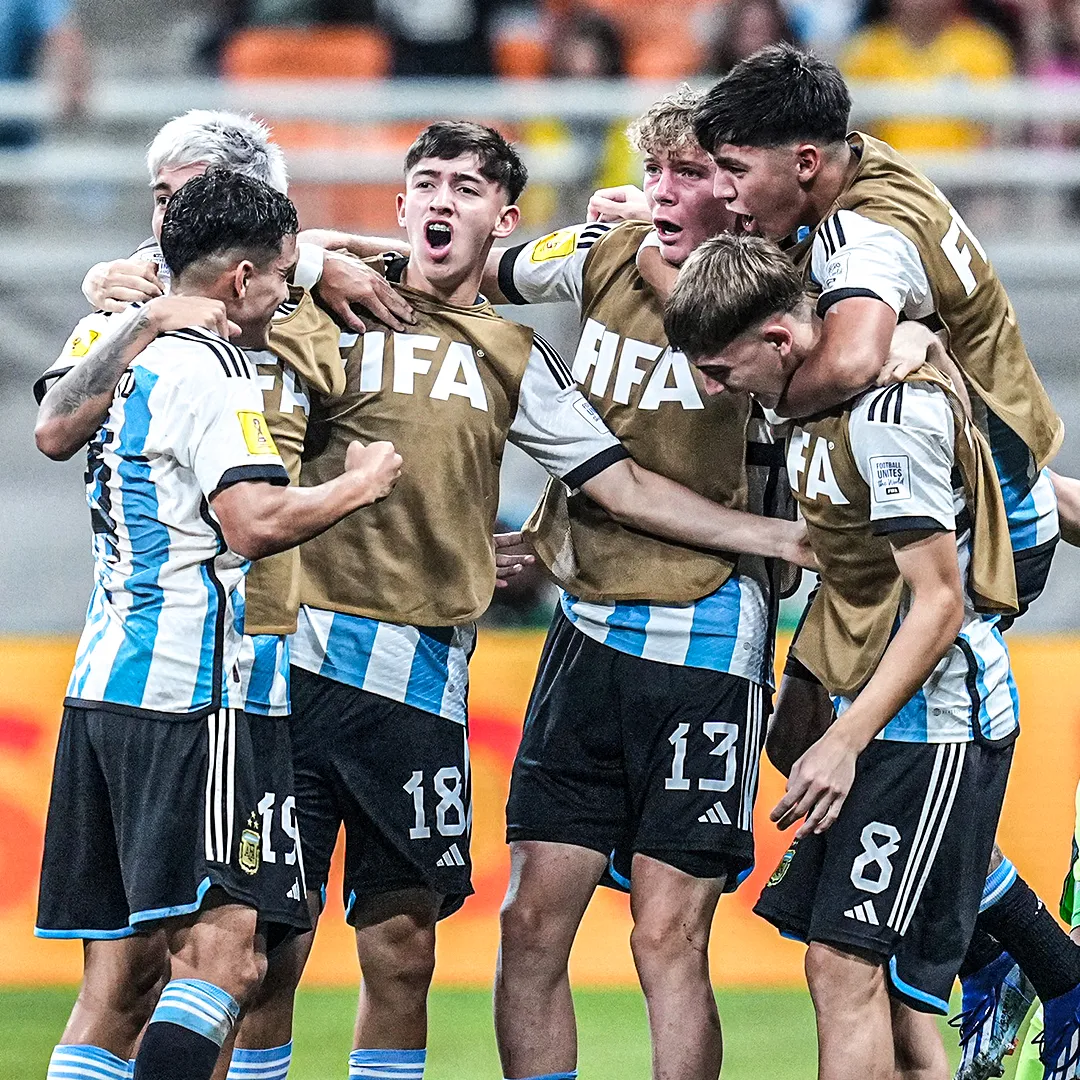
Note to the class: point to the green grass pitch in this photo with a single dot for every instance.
(768, 1033)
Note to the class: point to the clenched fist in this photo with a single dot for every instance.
(376, 466)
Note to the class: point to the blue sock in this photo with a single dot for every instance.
(86, 1063)
(551, 1076)
(185, 1033)
(271, 1064)
(997, 884)
(400, 1064)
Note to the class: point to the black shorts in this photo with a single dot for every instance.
(146, 815)
(1032, 568)
(624, 755)
(396, 776)
(900, 874)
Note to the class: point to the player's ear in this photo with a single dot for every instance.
(507, 223)
(778, 335)
(241, 275)
(808, 161)
(401, 209)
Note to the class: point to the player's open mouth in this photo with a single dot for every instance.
(667, 230)
(438, 234)
(746, 224)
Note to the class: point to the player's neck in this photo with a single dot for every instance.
(455, 291)
(831, 181)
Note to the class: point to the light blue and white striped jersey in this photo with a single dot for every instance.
(732, 630)
(854, 255)
(262, 667)
(426, 667)
(902, 443)
(161, 633)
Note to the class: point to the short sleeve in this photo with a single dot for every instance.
(86, 340)
(902, 442)
(854, 256)
(556, 426)
(549, 270)
(227, 439)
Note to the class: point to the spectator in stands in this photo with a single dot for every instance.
(824, 27)
(439, 37)
(925, 40)
(583, 46)
(748, 25)
(41, 35)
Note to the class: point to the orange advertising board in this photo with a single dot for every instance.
(1035, 832)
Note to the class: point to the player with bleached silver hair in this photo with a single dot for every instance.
(186, 147)
(231, 140)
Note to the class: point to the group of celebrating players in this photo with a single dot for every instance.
(292, 506)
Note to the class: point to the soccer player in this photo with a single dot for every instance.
(879, 242)
(901, 795)
(185, 147)
(386, 628)
(644, 731)
(158, 850)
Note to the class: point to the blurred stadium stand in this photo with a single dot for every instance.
(81, 195)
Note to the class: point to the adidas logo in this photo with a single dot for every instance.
(715, 815)
(294, 892)
(863, 913)
(452, 857)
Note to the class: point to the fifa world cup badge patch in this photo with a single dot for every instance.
(782, 868)
(556, 246)
(256, 434)
(249, 846)
(81, 344)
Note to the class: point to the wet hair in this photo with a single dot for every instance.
(729, 284)
(778, 96)
(449, 139)
(230, 140)
(224, 212)
(667, 125)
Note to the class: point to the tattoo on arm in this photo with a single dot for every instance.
(99, 374)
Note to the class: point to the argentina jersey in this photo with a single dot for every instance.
(732, 630)
(1030, 502)
(262, 668)
(970, 694)
(425, 667)
(161, 634)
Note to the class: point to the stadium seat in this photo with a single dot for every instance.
(328, 52)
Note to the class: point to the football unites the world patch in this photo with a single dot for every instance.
(257, 435)
(891, 478)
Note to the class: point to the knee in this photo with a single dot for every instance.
(405, 959)
(835, 977)
(528, 925)
(665, 938)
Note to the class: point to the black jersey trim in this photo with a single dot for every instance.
(595, 466)
(227, 353)
(218, 664)
(888, 526)
(506, 275)
(826, 300)
(135, 711)
(887, 405)
(238, 474)
(556, 365)
(394, 265)
(47, 381)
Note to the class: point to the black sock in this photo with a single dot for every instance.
(982, 950)
(172, 1052)
(1031, 936)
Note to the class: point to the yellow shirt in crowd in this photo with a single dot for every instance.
(965, 50)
